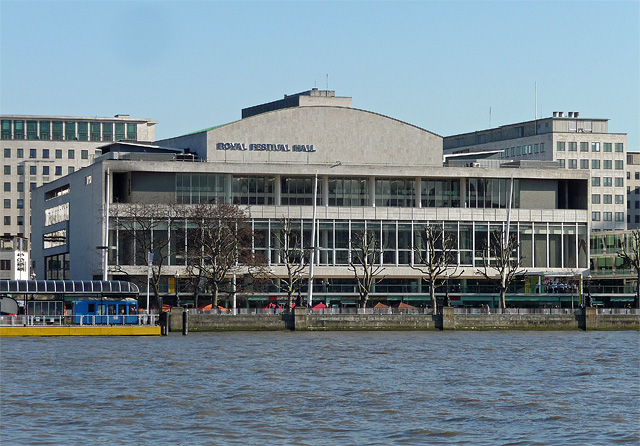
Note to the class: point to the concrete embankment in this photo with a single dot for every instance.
(300, 320)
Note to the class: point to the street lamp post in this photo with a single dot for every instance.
(446, 291)
(299, 298)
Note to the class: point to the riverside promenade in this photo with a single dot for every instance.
(448, 319)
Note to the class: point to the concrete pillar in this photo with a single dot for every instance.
(589, 319)
(325, 190)
(463, 192)
(277, 191)
(448, 319)
(372, 191)
(300, 318)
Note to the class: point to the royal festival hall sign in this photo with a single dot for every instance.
(265, 147)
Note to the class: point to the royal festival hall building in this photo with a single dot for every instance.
(374, 173)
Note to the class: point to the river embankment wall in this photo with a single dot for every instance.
(446, 321)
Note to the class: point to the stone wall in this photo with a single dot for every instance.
(450, 321)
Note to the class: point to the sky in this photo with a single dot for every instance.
(448, 67)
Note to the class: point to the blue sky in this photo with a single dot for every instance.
(438, 65)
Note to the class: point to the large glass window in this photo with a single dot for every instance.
(132, 131)
(119, 131)
(18, 129)
(540, 245)
(57, 130)
(94, 130)
(440, 193)
(200, 188)
(6, 129)
(32, 129)
(348, 192)
(252, 190)
(395, 192)
(69, 130)
(45, 130)
(83, 131)
(298, 191)
(107, 131)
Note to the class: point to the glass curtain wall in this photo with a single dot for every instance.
(542, 245)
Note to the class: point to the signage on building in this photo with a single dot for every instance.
(20, 263)
(265, 147)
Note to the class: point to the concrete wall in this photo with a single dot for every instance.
(342, 134)
(399, 322)
(537, 194)
(157, 187)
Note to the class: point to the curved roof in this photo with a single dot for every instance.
(320, 135)
(68, 287)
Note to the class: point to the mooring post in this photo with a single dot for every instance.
(185, 322)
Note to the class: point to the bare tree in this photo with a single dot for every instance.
(287, 244)
(501, 257)
(219, 239)
(365, 263)
(143, 230)
(435, 258)
(630, 253)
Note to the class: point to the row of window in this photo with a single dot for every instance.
(68, 130)
(637, 175)
(395, 192)
(607, 216)
(607, 181)
(541, 244)
(522, 150)
(584, 146)
(19, 203)
(19, 220)
(33, 170)
(572, 163)
(606, 199)
(46, 153)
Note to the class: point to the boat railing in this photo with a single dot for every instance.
(28, 320)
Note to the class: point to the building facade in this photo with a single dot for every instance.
(633, 190)
(374, 173)
(575, 143)
(14, 258)
(40, 149)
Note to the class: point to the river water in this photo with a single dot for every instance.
(335, 388)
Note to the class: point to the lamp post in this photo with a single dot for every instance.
(299, 299)
(446, 291)
(175, 286)
(105, 259)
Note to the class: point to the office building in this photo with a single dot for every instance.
(633, 190)
(40, 149)
(574, 143)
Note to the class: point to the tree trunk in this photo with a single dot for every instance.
(195, 298)
(503, 293)
(434, 302)
(215, 296)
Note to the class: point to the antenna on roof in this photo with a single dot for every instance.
(327, 81)
(489, 116)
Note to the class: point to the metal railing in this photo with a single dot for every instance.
(420, 310)
(76, 320)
